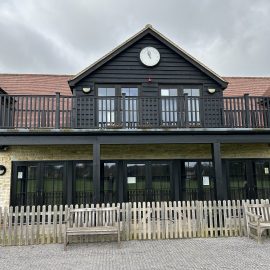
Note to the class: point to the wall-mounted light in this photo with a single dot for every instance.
(3, 147)
(211, 90)
(87, 90)
(3, 170)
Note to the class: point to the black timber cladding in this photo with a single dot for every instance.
(126, 68)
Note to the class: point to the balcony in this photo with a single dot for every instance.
(123, 112)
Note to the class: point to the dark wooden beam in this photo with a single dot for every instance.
(220, 185)
(96, 171)
(75, 139)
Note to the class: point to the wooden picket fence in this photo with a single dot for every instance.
(139, 221)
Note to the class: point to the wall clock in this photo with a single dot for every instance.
(149, 56)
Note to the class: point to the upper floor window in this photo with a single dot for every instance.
(129, 91)
(129, 107)
(169, 109)
(193, 104)
(170, 92)
(106, 106)
(106, 91)
(173, 108)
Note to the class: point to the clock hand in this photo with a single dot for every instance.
(149, 53)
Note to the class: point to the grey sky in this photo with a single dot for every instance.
(64, 36)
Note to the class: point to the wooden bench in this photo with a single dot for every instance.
(92, 221)
(258, 219)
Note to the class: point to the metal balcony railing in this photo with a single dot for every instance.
(125, 112)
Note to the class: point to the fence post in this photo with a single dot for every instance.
(246, 98)
(57, 111)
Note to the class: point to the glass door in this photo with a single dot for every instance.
(237, 180)
(169, 110)
(262, 179)
(161, 182)
(53, 184)
(197, 181)
(83, 183)
(193, 105)
(190, 181)
(207, 180)
(136, 182)
(106, 106)
(26, 189)
(108, 186)
(129, 107)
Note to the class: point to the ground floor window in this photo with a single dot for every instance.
(198, 181)
(38, 183)
(83, 190)
(71, 182)
(248, 179)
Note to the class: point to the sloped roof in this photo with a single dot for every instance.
(254, 86)
(35, 84)
(39, 84)
(145, 31)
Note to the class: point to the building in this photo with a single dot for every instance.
(145, 122)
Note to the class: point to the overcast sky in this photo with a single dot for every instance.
(231, 37)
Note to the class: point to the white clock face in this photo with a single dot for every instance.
(149, 56)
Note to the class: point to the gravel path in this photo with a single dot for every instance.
(214, 253)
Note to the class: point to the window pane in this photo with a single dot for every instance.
(106, 92)
(133, 92)
(171, 92)
(165, 92)
(187, 91)
(110, 91)
(195, 92)
(102, 92)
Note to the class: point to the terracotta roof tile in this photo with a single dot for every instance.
(254, 86)
(35, 84)
(39, 84)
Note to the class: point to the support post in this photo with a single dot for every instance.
(57, 111)
(246, 98)
(96, 172)
(221, 188)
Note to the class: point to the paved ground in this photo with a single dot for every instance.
(215, 253)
